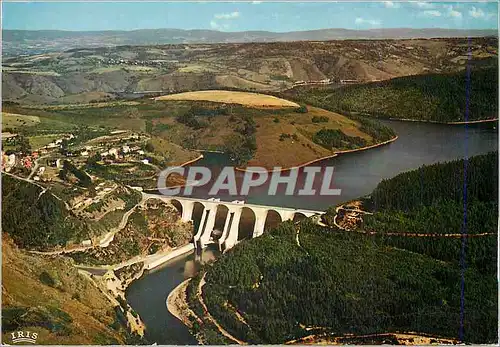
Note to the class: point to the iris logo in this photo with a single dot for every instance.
(23, 336)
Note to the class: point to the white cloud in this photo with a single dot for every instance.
(218, 26)
(256, 2)
(453, 13)
(231, 15)
(424, 5)
(432, 13)
(391, 4)
(219, 21)
(372, 22)
(478, 13)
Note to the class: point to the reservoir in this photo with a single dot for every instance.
(357, 174)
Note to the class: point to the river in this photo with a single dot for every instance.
(357, 174)
(148, 296)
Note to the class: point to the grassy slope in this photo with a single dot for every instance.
(69, 311)
(289, 152)
(435, 97)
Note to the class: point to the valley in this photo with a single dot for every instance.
(92, 253)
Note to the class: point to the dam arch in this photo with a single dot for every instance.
(298, 217)
(221, 214)
(246, 223)
(178, 206)
(273, 218)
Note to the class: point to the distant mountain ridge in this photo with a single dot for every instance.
(17, 42)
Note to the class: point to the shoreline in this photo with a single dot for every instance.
(436, 122)
(335, 154)
(112, 286)
(178, 306)
(192, 160)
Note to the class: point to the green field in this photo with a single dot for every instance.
(38, 141)
(15, 121)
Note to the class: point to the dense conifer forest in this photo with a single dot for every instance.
(303, 279)
(432, 97)
(450, 198)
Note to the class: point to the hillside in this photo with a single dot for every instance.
(431, 97)
(82, 75)
(303, 280)
(435, 205)
(51, 224)
(48, 296)
(296, 135)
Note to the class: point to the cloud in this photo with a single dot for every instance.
(476, 12)
(432, 13)
(372, 22)
(231, 15)
(391, 4)
(424, 5)
(453, 13)
(256, 2)
(218, 26)
(219, 21)
(480, 14)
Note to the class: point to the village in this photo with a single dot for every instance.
(92, 176)
(44, 163)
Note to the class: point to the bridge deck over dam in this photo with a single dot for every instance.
(233, 209)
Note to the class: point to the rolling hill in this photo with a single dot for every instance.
(86, 74)
(23, 41)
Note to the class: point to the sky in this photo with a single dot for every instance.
(251, 15)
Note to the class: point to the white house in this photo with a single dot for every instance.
(113, 152)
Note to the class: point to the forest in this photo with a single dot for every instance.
(303, 279)
(36, 219)
(343, 283)
(446, 198)
(431, 97)
(335, 138)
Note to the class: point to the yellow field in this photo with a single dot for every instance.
(230, 97)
